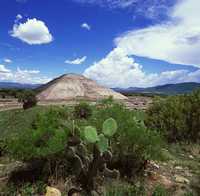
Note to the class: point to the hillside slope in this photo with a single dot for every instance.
(168, 89)
(72, 86)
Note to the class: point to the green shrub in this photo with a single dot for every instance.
(82, 111)
(27, 189)
(28, 99)
(177, 117)
(47, 137)
(133, 143)
(3, 147)
(160, 191)
(124, 189)
(107, 101)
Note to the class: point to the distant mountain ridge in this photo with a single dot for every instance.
(167, 89)
(11, 85)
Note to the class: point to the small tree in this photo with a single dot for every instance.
(28, 99)
(82, 111)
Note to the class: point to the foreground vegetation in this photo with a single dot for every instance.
(177, 117)
(82, 148)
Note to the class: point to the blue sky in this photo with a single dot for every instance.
(118, 43)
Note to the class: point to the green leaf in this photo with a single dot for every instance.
(90, 134)
(109, 127)
(102, 143)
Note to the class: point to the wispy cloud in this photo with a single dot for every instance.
(6, 60)
(86, 26)
(76, 61)
(21, 1)
(144, 8)
(22, 75)
(3, 69)
(177, 41)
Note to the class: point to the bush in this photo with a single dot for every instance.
(107, 101)
(125, 189)
(3, 147)
(82, 111)
(47, 137)
(177, 117)
(133, 143)
(160, 191)
(28, 99)
(38, 188)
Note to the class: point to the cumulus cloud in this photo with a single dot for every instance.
(118, 69)
(33, 31)
(22, 76)
(86, 26)
(177, 41)
(7, 60)
(77, 61)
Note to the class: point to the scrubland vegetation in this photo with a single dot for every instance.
(103, 149)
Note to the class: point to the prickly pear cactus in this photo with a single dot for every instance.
(90, 134)
(109, 127)
(101, 140)
(102, 143)
(89, 165)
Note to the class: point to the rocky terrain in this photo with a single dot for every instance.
(179, 174)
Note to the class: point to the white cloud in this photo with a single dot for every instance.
(19, 17)
(22, 76)
(77, 61)
(86, 26)
(145, 8)
(115, 3)
(3, 69)
(29, 76)
(4, 72)
(177, 41)
(33, 31)
(7, 60)
(118, 69)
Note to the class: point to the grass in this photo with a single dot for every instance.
(19, 120)
(15, 121)
(12, 121)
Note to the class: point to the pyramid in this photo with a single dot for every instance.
(73, 86)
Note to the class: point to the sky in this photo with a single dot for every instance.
(118, 43)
